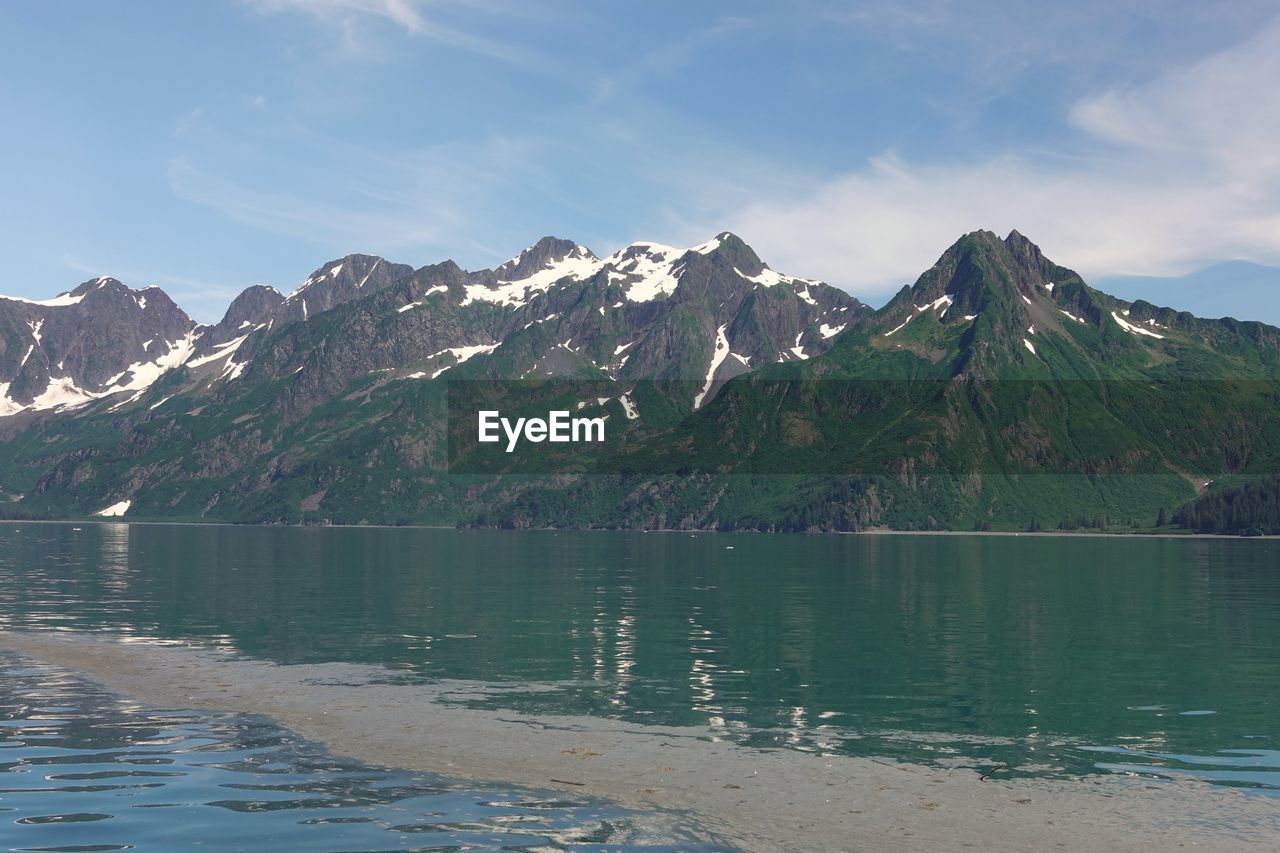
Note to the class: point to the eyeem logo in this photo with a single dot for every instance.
(557, 427)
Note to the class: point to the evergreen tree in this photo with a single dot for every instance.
(1251, 508)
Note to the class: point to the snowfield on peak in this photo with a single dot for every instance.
(645, 269)
(60, 301)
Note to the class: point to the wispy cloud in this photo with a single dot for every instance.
(995, 42)
(383, 219)
(668, 58)
(350, 18)
(1178, 171)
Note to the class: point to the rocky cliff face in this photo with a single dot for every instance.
(101, 339)
(336, 283)
(647, 311)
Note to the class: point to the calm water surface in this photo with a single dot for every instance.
(1048, 655)
(84, 770)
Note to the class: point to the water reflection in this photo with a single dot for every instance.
(977, 650)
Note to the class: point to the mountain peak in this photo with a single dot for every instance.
(347, 267)
(337, 282)
(97, 284)
(253, 305)
(108, 291)
(543, 255)
(1006, 279)
(735, 250)
(1024, 249)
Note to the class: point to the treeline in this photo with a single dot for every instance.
(1249, 509)
(1097, 522)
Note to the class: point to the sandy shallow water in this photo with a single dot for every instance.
(751, 798)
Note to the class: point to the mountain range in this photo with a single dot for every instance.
(1000, 391)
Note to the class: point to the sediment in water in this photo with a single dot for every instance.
(752, 798)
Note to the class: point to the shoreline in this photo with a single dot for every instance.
(1043, 534)
(755, 799)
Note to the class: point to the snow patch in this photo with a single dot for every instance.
(1132, 329)
(944, 302)
(721, 353)
(578, 265)
(369, 273)
(898, 328)
(233, 369)
(711, 245)
(60, 301)
(1028, 345)
(629, 407)
(62, 391)
(831, 331)
(115, 510)
(437, 288)
(657, 267)
(769, 278)
(462, 354)
(220, 351)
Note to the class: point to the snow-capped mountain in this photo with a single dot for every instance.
(647, 311)
(99, 340)
(334, 403)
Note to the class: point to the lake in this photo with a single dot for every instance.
(1014, 655)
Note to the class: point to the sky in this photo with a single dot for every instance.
(208, 146)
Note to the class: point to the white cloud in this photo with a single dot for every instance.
(1179, 171)
(1224, 111)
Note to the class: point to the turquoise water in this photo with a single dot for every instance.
(1037, 656)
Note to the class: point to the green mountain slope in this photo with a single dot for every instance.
(999, 391)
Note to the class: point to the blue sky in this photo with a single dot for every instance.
(208, 146)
